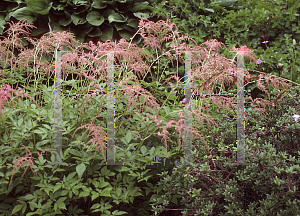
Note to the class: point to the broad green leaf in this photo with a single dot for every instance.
(24, 12)
(107, 33)
(106, 192)
(125, 34)
(210, 10)
(20, 122)
(71, 176)
(17, 208)
(84, 194)
(115, 17)
(39, 131)
(94, 18)
(66, 20)
(28, 197)
(132, 23)
(119, 191)
(103, 184)
(95, 195)
(141, 15)
(56, 187)
(61, 205)
(128, 137)
(80, 169)
(96, 206)
(77, 19)
(117, 212)
(104, 172)
(39, 6)
(174, 199)
(141, 6)
(98, 4)
(47, 126)
(143, 150)
(226, 3)
(64, 192)
(95, 32)
(61, 199)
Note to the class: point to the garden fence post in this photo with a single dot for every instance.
(188, 110)
(110, 157)
(240, 135)
(57, 109)
(240, 109)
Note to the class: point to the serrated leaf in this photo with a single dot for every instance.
(80, 169)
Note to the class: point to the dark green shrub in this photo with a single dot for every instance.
(269, 187)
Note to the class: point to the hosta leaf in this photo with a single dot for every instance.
(115, 17)
(94, 18)
(26, 13)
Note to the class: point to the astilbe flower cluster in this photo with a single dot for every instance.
(210, 68)
(4, 95)
(21, 160)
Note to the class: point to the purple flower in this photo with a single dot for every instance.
(183, 101)
(265, 42)
(174, 94)
(258, 61)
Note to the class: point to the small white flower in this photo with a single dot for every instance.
(296, 117)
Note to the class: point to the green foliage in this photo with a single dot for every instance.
(238, 23)
(268, 187)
